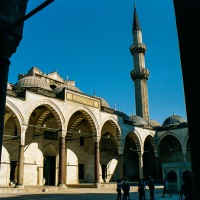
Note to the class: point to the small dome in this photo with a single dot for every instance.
(153, 123)
(137, 120)
(32, 82)
(172, 120)
(104, 102)
(119, 113)
(68, 87)
(9, 87)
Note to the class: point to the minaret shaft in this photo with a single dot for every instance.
(139, 74)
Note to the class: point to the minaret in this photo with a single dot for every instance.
(139, 74)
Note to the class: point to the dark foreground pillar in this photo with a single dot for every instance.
(188, 26)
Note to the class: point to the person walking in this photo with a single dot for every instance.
(151, 187)
(165, 189)
(141, 189)
(144, 186)
(119, 189)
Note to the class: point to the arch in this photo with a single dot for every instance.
(15, 113)
(115, 124)
(86, 114)
(137, 139)
(172, 176)
(51, 150)
(168, 134)
(152, 141)
(52, 107)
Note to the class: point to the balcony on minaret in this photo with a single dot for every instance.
(140, 74)
(138, 48)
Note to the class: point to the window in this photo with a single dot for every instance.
(81, 171)
(81, 141)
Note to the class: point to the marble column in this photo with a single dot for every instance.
(62, 161)
(140, 164)
(97, 161)
(185, 155)
(20, 173)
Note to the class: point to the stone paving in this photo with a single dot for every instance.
(83, 194)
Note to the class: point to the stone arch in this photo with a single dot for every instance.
(115, 124)
(152, 141)
(52, 107)
(16, 114)
(50, 149)
(137, 139)
(86, 114)
(170, 148)
(168, 134)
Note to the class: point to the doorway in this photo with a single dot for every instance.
(49, 170)
(13, 171)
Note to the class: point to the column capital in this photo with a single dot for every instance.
(62, 133)
(24, 128)
(120, 150)
(96, 138)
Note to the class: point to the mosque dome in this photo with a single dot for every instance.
(9, 86)
(137, 120)
(153, 123)
(104, 102)
(68, 87)
(119, 113)
(32, 82)
(174, 120)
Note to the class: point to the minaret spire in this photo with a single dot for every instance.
(136, 24)
(139, 74)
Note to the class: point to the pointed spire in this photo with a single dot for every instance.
(136, 24)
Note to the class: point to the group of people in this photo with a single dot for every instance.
(124, 185)
(142, 188)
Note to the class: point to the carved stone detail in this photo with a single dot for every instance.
(143, 74)
(138, 48)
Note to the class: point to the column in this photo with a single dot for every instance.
(20, 173)
(121, 161)
(185, 155)
(62, 161)
(96, 162)
(10, 12)
(121, 166)
(157, 165)
(140, 164)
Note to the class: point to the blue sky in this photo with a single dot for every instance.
(89, 42)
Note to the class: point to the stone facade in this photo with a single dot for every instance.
(54, 134)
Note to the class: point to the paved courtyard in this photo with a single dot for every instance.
(83, 194)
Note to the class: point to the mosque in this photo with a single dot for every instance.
(56, 135)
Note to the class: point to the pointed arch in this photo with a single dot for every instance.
(52, 107)
(15, 113)
(87, 114)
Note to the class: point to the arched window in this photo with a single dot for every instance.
(172, 176)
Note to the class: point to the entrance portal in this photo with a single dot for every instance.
(49, 170)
